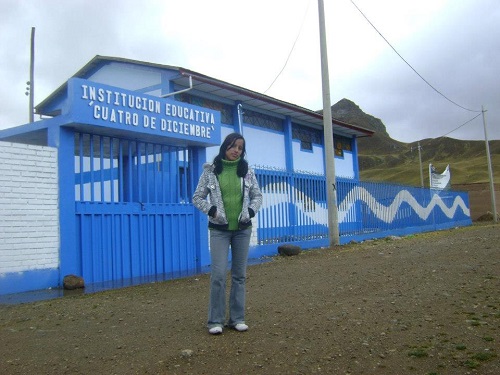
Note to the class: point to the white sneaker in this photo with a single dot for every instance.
(241, 327)
(215, 330)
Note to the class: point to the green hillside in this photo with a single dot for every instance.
(382, 158)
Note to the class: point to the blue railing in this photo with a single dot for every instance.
(295, 208)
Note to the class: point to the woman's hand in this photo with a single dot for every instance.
(213, 212)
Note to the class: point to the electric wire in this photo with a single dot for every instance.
(420, 146)
(465, 123)
(291, 50)
(451, 131)
(411, 67)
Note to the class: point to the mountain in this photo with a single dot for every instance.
(382, 158)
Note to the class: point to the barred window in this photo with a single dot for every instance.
(226, 111)
(342, 144)
(262, 120)
(306, 136)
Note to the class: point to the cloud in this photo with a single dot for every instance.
(453, 45)
(456, 57)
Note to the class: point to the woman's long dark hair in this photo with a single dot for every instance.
(229, 142)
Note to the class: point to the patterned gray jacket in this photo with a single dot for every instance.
(208, 186)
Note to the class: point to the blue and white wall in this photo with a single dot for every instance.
(29, 229)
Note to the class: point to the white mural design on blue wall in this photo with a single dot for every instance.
(388, 213)
(289, 213)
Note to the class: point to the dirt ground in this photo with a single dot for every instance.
(423, 304)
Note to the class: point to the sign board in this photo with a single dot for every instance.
(113, 107)
(439, 181)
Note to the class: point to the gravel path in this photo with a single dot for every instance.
(423, 304)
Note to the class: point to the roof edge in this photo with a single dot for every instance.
(99, 59)
(269, 99)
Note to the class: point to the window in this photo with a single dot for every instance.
(306, 136)
(226, 111)
(342, 144)
(262, 120)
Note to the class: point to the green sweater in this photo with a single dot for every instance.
(230, 186)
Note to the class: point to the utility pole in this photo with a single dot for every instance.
(420, 163)
(490, 169)
(31, 83)
(331, 185)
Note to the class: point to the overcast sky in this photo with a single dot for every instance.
(453, 44)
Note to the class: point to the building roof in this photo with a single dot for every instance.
(212, 86)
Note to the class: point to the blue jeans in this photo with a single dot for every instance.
(220, 241)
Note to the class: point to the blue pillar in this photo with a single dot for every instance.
(70, 257)
(166, 85)
(287, 130)
(355, 161)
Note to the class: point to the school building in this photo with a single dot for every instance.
(100, 186)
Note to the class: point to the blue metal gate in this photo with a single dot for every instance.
(134, 218)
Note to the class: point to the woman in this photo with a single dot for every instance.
(234, 198)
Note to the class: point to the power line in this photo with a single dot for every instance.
(465, 123)
(293, 47)
(407, 63)
(451, 131)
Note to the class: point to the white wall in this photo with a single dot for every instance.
(127, 76)
(344, 167)
(265, 147)
(308, 161)
(29, 225)
(312, 161)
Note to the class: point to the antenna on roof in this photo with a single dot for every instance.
(30, 91)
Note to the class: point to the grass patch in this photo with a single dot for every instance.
(460, 347)
(474, 321)
(484, 356)
(418, 353)
(471, 364)
(475, 361)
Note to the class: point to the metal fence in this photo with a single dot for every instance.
(295, 208)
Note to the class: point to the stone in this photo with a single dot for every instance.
(289, 249)
(187, 353)
(71, 282)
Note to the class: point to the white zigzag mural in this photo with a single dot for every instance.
(385, 213)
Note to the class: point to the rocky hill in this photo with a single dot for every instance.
(382, 158)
